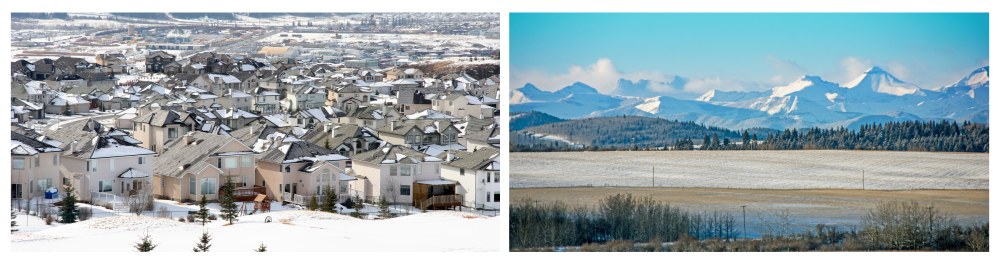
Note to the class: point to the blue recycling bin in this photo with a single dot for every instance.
(52, 193)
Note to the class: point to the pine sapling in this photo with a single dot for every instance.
(330, 200)
(383, 208)
(313, 205)
(203, 243)
(68, 210)
(261, 248)
(228, 204)
(146, 245)
(203, 210)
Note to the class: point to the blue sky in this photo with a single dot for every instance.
(749, 51)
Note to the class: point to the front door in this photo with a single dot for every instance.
(294, 188)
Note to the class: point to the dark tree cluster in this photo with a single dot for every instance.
(531, 119)
(893, 136)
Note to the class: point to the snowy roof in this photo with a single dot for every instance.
(436, 182)
(133, 173)
(229, 79)
(429, 114)
(345, 177)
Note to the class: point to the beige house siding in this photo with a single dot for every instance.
(29, 176)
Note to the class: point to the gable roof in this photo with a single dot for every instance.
(297, 152)
(24, 145)
(181, 157)
(392, 154)
(162, 117)
(477, 160)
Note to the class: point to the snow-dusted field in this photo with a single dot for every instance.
(824, 169)
(289, 231)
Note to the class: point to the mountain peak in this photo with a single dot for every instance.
(875, 70)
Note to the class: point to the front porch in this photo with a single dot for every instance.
(436, 194)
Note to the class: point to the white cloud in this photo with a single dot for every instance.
(851, 68)
(783, 65)
(602, 75)
(702, 85)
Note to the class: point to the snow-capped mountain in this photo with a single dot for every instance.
(874, 96)
(572, 101)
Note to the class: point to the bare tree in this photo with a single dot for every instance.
(141, 198)
(776, 224)
(390, 189)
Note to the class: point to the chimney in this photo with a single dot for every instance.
(188, 138)
(451, 156)
(480, 116)
(72, 146)
(393, 124)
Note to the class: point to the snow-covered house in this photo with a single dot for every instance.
(405, 176)
(295, 169)
(110, 163)
(477, 174)
(235, 118)
(198, 163)
(234, 98)
(371, 116)
(67, 103)
(266, 102)
(344, 139)
(349, 97)
(305, 96)
(155, 128)
(34, 166)
(459, 104)
(415, 133)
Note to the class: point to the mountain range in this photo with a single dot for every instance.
(874, 96)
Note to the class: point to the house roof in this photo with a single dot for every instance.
(24, 145)
(181, 157)
(424, 125)
(476, 160)
(297, 152)
(392, 154)
(162, 117)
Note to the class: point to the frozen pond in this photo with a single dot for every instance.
(802, 169)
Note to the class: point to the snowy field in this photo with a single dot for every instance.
(826, 169)
(434, 40)
(288, 231)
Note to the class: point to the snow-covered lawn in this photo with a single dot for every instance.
(800, 169)
(288, 231)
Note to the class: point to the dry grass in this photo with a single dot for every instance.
(830, 206)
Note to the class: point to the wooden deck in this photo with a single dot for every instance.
(248, 193)
(441, 201)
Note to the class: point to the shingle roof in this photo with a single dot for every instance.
(476, 160)
(439, 125)
(179, 153)
(162, 117)
(390, 154)
(31, 147)
(293, 151)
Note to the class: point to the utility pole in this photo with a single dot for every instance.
(862, 179)
(654, 176)
(744, 222)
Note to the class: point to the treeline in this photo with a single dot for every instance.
(619, 133)
(521, 120)
(928, 136)
(621, 221)
(892, 136)
(218, 16)
(144, 15)
(618, 217)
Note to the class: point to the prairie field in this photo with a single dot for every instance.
(797, 169)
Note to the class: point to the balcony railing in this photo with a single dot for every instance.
(440, 201)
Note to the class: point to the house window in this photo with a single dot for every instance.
(218, 163)
(488, 195)
(392, 170)
(404, 190)
(44, 184)
(112, 167)
(231, 162)
(288, 169)
(18, 163)
(326, 175)
(246, 161)
(93, 165)
(437, 168)
(208, 186)
(104, 186)
(55, 160)
(171, 133)
(38, 161)
(343, 187)
(420, 169)
(488, 177)
(496, 196)
(142, 160)
(461, 171)
(404, 170)
(192, 186)
(496, 177)
(244, 181)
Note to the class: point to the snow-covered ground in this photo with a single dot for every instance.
(288, 231)
(800, 169)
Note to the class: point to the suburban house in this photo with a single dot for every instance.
(34, 167)
(113, 163)
(371, 116)
(266, 102)
(344, 139)
(64, 103)
(478, 176)
(349, 97)
(413, 100)
(405, 176)
(157, 127)
(415, 133)
(460, 105)
(486, 138)
(197, 164)
(292, 170)
(407, 73)
(155, 62)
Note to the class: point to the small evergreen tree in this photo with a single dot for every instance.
(330, 200)
(13, 214)
(383, 208)
(358, 204)
(313, 205)
(327, 143)
(146, 243)
(228, 204)
(203, 243)
(203, 210)
(68, 210)
(261, 248)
